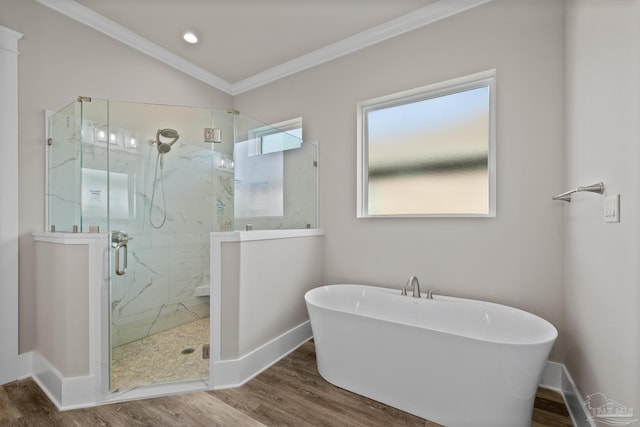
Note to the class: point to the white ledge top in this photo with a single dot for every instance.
(68, 238)
(245, 236)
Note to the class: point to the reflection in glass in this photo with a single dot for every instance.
(259, 183)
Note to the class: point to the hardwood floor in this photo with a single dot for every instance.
(290, 393)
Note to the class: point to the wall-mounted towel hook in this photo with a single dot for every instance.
(593, 188)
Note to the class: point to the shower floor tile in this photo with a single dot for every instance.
(162, 358)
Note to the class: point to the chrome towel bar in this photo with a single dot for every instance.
(593, 188)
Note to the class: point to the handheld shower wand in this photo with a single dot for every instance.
(163, 148)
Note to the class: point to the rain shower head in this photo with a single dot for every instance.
(168, 133)
(165, 147)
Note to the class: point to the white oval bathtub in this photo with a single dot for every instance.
(453, 361)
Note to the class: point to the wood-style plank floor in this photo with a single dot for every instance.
(290, 393)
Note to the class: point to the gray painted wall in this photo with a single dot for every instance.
(519, 257)
(59, 60)
(602, 345)
(515, 258)
(62, 309)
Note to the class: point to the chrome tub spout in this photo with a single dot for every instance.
(412, 284)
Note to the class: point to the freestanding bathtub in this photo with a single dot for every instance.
(453, 361)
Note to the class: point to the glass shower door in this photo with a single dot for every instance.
(162, 181)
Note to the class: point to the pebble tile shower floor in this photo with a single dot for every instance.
(162, 358)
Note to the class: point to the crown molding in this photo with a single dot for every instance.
(395, 27)
(433, 12)
(116, 31)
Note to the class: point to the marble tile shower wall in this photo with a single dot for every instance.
(165, 265)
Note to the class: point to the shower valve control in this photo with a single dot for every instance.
(119, 238)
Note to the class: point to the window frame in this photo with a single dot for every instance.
(449, 87)
(285, 126)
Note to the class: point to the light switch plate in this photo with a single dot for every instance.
(612, 208)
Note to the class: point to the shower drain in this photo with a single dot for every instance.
(188, 351)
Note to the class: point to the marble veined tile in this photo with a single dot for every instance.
(141, 323)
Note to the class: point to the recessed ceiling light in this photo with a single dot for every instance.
(190, 37)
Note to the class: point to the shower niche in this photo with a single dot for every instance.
(155, 181)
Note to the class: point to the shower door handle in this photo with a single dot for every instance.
(119, 241)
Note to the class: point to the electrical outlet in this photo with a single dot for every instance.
(612, 208)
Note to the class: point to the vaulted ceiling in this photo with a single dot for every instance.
(246, 43)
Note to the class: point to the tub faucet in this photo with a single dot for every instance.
(412, 284)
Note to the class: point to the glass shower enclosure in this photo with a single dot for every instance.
(152, 179)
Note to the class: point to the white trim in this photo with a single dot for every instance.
(215, 302)
(411, 21)
(556, 377)
(215, 272)
(25, 365)
(77, 392)
(65, 393)
(114, 30)
(9, 369)
(434, 12)
(45, 167)
(247, 236)
(68, 238)
(483, 79)
(283, 126)
(552, 375)
(83, 391)
(98, 250)
(9, 43)
(574, 401)
(234, 373)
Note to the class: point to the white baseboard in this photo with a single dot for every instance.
(556, 377)
(78, 392)
(234, 373)
(25, 365)
(65, 393)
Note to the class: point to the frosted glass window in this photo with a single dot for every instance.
(429, 151)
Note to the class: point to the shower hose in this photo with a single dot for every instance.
(156, 178)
